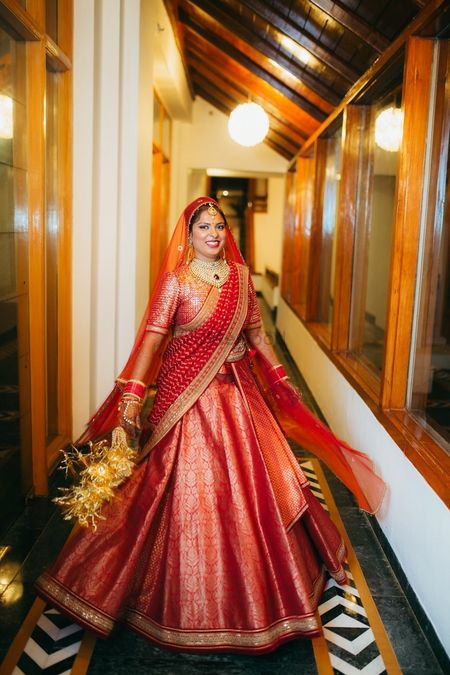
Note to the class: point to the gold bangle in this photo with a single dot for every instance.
(131, 397)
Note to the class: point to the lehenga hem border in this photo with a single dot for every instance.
(258, 640)
(68, 602)
(262, 639)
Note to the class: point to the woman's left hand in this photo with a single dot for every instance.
(130, 416)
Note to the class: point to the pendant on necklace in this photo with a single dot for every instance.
(216, 276)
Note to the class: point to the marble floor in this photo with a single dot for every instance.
(369, 625)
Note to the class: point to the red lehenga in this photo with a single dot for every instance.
(216, 541)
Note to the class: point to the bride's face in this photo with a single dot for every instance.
(208, 236)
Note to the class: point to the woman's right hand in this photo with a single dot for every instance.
(130, 415)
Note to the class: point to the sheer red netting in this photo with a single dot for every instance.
(354, 468)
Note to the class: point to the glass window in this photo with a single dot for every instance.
(429, 395)
(289, 220)
(327, 252)
(15, 418)
(373, 233)
(302, 232)
(51, 252)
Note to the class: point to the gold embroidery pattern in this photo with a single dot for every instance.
(94, 617)
(204, 312)
(207, 374)
(339, 573)
(226, 638)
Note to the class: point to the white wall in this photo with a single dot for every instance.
(113, 109)
(414, 520)
(268, 228)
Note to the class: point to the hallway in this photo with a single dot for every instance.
(369, 626)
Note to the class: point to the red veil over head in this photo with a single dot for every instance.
(297, 421)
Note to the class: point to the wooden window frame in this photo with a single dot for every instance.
(41, 53)
(385, 396)
(160, 198)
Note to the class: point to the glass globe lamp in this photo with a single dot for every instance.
(248, 124)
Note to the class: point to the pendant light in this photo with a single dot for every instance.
(389, 129)
(248, 124)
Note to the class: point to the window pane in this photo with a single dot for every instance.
(288, 235)
(328, 239)
(373, 241)
(15, 416)
(429, 398)
(302, 232)
(51, 252)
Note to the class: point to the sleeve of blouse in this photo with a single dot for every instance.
(255, 320)
(164, 305)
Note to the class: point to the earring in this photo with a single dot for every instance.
(224, 255)
(190, 252)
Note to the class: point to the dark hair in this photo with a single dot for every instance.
(198, 212)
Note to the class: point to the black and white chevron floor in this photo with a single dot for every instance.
(349, 635)
(52, 646)
(350, 640)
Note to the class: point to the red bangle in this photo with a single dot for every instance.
(135, 387)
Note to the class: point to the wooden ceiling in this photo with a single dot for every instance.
(297, 58)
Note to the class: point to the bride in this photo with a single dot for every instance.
(216, 542)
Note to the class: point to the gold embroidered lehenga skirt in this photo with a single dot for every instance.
(195, 553)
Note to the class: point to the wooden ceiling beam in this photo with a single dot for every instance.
(236, 55)
(285, 26)
(270, 65)
(240, 95)
(340, 13)
(220, 105)
(269, 50)
(429, 13)
(254, 84)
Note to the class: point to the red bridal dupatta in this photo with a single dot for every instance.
(192, 360)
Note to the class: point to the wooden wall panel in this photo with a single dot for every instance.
(314, 268)
(302, 232)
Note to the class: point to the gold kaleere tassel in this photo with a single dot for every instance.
(102, 470)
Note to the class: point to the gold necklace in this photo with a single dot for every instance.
(214, 272)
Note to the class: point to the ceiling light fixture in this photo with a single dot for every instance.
(389, 129)
(248, 124)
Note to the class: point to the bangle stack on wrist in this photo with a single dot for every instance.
(134, 389)
(133, 395)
